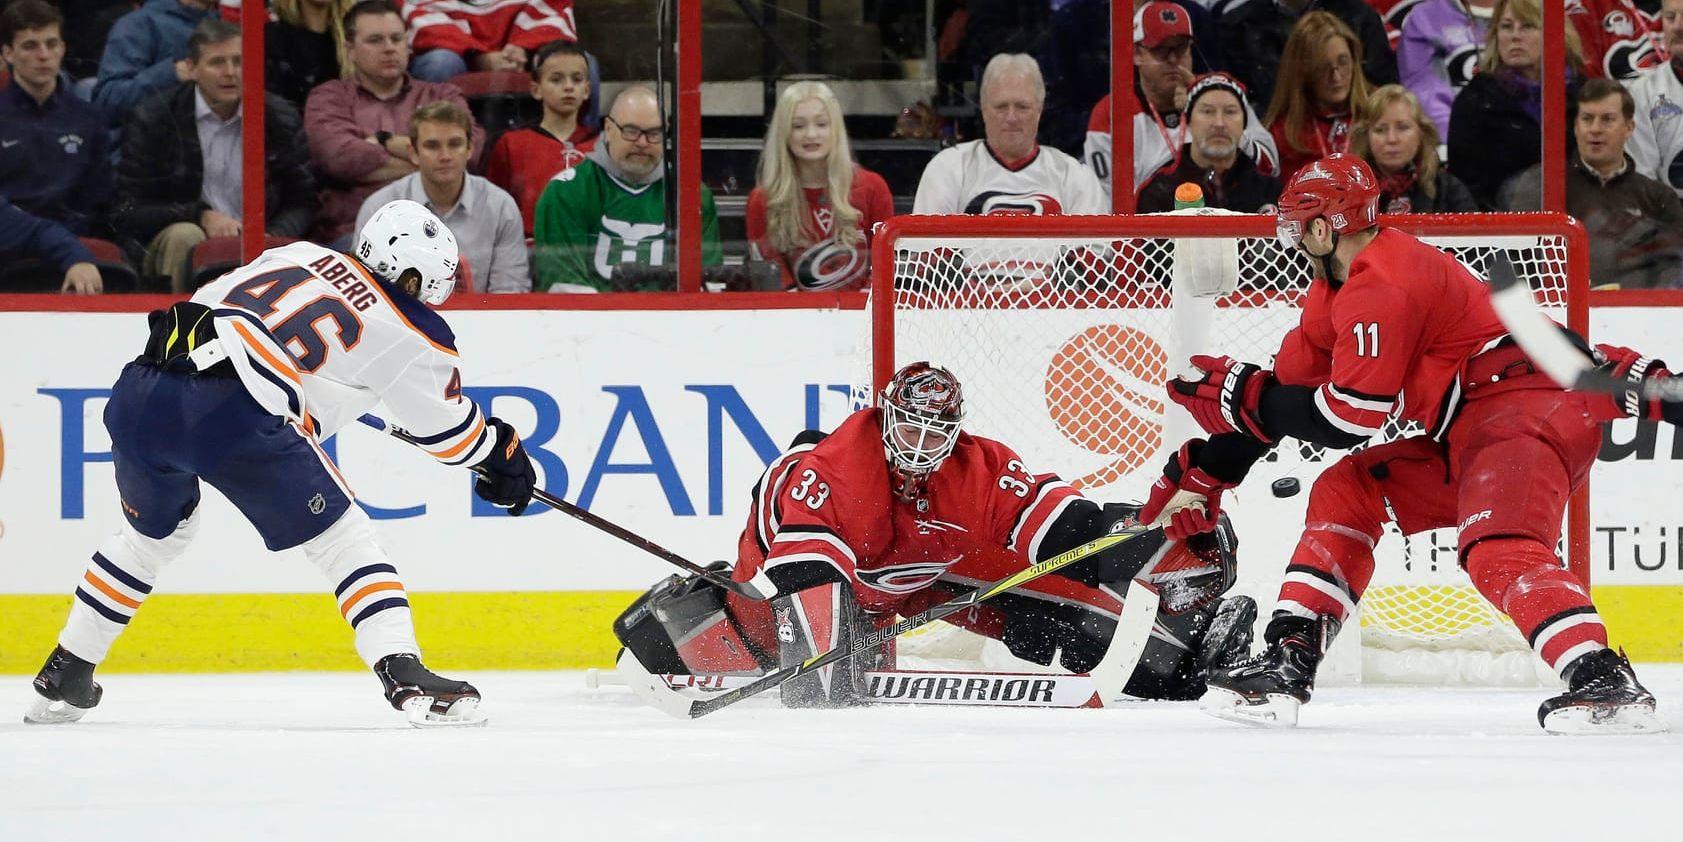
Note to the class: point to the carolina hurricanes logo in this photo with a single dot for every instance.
(827, 265)
(996, 203)
(1461, 65)
(905, 578)
(1628, 58)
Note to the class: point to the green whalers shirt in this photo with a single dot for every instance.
(589, 221)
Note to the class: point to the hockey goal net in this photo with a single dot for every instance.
(1063, 330)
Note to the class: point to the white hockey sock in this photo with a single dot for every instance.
(365, 583)
(118, 579)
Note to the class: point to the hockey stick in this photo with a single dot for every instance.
(1544, 343)
(656, 692)
(597, 521)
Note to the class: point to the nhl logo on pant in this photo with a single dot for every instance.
(318, 504)
(785, 626)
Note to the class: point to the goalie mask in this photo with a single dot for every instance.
(922, 411)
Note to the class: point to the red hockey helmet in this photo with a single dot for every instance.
(1339, 187)
(922, 410)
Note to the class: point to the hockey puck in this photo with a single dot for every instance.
(1286, 487)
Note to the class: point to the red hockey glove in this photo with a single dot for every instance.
(1224, 399)
(1629, 368)
(1185, 501)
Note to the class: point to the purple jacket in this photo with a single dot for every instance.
(1439, 52)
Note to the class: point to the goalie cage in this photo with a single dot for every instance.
(1063, 330)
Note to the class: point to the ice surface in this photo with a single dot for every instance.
(320, 757)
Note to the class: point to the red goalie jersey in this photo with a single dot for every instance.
(1398, 332)
(824, 512)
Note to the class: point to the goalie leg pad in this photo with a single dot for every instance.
(812, 622)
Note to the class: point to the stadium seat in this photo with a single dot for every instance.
(217, 256)
(502, 99)
(41, 276)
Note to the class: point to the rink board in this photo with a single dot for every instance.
(658, 419)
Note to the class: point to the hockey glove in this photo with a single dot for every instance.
(1630, 369)
(506, 477)
(1225, 398)
(1185, 500)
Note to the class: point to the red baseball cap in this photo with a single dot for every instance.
(1158, 21)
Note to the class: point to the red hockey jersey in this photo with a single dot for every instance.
(1396, 335)
(525, 159)
(827, 263)
(486, 26)
(825, 512)
(1617, 39)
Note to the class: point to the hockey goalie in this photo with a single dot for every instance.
(899, 509)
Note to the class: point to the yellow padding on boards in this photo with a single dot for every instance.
(1647, 620)
(265, 632)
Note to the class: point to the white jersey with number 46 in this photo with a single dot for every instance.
(319, 340)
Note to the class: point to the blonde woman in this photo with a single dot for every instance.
(1495, 129)
(303, 46)
(1320, 83)
(1394, 134)
(814, 208)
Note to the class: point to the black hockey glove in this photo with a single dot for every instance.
(506, 477)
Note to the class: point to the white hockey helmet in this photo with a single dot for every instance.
(402, 236)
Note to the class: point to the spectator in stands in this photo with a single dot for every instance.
(1615, 38)
(358, 126)
(1320, 83)
(525, 159)
(1255, 36)
(1163, 48)
(91, 21)
(57, 148)
(610, 210)
(452, 37)
(482, 215)
(1216, 115)
(1635, 223)
(1494, 126)
(1394, 135)
(814, 208)
(146, 51)
(25, 237)
(302, 46)
(1440, 51)
(180, 178)
(1007, 172)
(1656, 147)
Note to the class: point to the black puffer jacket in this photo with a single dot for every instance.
(161, 174)
(1241, 189)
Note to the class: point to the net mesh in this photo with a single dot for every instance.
(1063, 344)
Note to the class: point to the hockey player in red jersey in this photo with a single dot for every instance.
(899, 509)
(1392, 325)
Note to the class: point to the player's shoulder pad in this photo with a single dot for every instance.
(420, 316)
(808, 437)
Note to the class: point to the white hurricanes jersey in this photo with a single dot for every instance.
(970, 179)
(318, 340)
(1657, 144)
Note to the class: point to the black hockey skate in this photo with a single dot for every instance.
(65, 688)
(430, 700)
(1602, 697)
(1268, 689)
(1227, 639)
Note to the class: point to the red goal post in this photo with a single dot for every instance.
(1063, 329)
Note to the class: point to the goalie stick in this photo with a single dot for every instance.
(1546, 344)
(597, 521)
(658, 693)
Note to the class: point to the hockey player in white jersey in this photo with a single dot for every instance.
(1008, 172)
(236, 388)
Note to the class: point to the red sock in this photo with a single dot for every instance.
(1549, 605)
(1333, 561)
